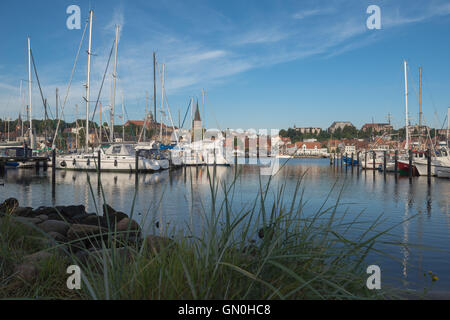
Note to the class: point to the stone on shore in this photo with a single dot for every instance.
(78, 231)
(127, 224)
(112, 214)
(26, 212)
(26, 272)
(9, 205)
(57, 236)
(71, 211)
(60, 227)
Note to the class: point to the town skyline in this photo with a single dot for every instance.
(343, 75)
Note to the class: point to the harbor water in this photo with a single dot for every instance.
(418, 213)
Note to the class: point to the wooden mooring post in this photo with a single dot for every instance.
(410, 165)
(53, 172)
(396, 163)
(429, 166)
(384, 163)
(373, 161)
(365, 160)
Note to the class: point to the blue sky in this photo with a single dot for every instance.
(263, 64)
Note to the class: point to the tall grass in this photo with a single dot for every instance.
(271, 248)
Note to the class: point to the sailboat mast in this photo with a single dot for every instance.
(162, 102)
(406, 106)
(203, 111)
(101, 126)
(420, 97)
(192, 119)
(146, 113)
(123, 121)
(113, 98)
(88, 82)
(29, 95)
(154, 87)
(448, 124)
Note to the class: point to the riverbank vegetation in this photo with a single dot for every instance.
(269, 249)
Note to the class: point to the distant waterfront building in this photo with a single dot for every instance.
(311, 130)
(306, 149)
(377, 127)
(339, 125)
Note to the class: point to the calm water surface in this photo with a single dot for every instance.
(178, 198)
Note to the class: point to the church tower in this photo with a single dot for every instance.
(197, 125)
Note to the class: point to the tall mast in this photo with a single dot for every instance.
(29, 95)
(406, 106)
(203, 111)
(162, 102)
(420, 97)
(76, 121)
(56, 103)
(154, 87)
(146, 112)
(88, 82)
(113, 98)
(21, 107)
(192, 119)
(101, 126)
(448, 124)
(123, 121)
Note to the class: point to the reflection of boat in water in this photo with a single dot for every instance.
(120, 158)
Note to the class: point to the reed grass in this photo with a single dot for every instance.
(272, 248)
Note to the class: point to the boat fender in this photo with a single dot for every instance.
(74, 162)
(115, 163)
(88, 162)
(63, 164)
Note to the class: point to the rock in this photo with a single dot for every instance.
(127, 225)
(92, 220)
(27, 221)
(42, 217)
(156, 243)
(71, 211)
(78, 231)
(37, 257)
(113, 215)
(57, 236)
(54, 225)
(26, 272)
(48, 211)
(79, 218)
(9, 205)
(23, 212)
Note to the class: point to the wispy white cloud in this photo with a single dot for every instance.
(204, 53)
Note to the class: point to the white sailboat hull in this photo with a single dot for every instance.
(107, 163)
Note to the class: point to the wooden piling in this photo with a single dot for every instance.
(396, 162)
(373, 160)
(365, 160)
(352, 159)
(429, 166)
(385, 162)
(410, 165)
(53, 171)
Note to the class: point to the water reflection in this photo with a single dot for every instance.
(179, 198)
